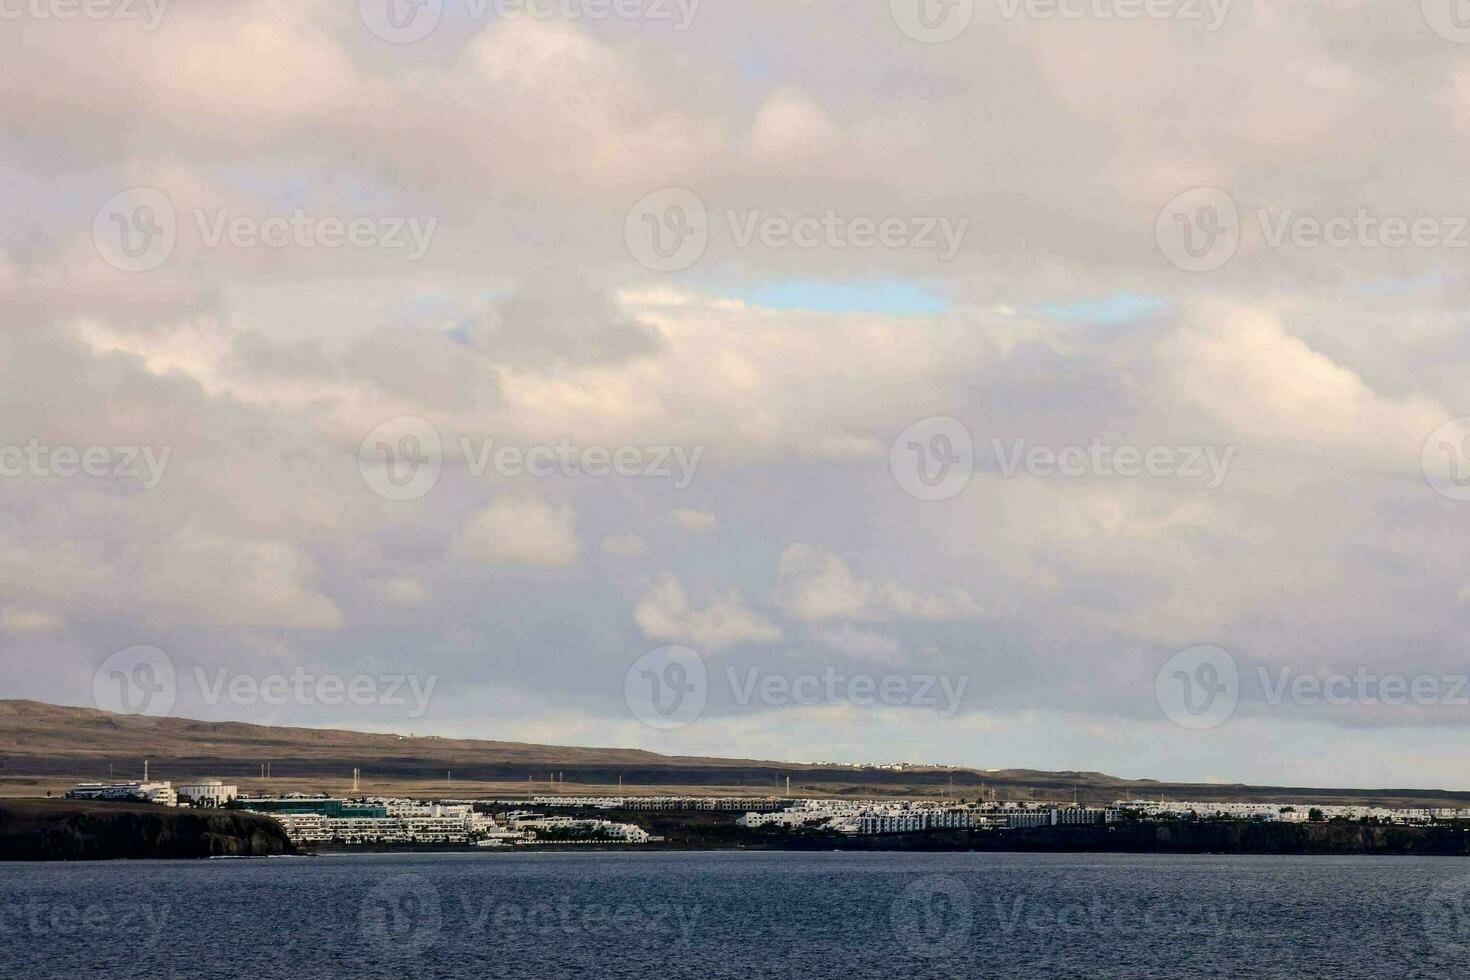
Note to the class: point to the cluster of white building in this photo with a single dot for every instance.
(162, 793)
(208, 792)
(391, 822)
(380, 820)
(913, 816)
(1286, 812)
(733, 804)
(536, 826)
(321, 819)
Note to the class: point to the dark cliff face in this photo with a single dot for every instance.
(1316, 838)
(66, 830)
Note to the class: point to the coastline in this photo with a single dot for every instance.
(68, 830)
(1205, 837)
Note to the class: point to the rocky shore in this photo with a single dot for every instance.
(76, 830)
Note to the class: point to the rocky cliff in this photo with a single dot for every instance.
(72, 830)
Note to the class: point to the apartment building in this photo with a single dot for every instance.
(162, 793)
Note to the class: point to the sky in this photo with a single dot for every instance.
(1003, 384)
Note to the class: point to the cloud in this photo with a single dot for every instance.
(520, 532)
(555, 317)
(625, 545)
(402, 591)
(694, 520)
(665, 614)
(24, 622)
(860, 643)
(816, 585)
(200, 577)
(1239, 364)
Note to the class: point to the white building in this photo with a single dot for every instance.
(208, 792)
(401, 822)
(162, 793)
(1285, 811)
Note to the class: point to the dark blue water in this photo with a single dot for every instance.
(703, 916)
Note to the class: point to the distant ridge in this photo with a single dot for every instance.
(44, 745)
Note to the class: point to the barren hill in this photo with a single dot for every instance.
(46, 747)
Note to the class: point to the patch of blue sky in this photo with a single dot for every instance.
(1393, 285)
(889, 297)
(1114, 309)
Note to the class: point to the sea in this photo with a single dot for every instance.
(737, 914)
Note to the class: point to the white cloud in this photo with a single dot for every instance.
(665, 613)
(695, 521)
(402, 591)
(625, 545)
(860, 643)
(1239, 364)
(25, 622)
(520, 532)
(200, 577)
(816, 585)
